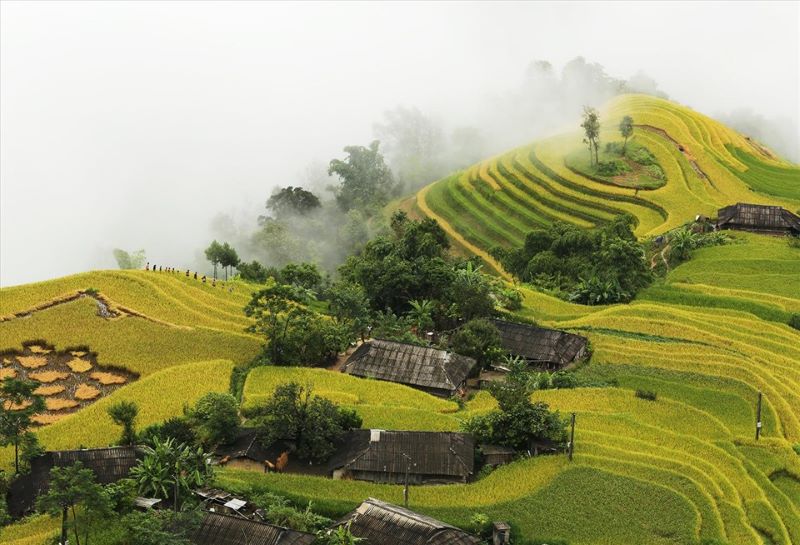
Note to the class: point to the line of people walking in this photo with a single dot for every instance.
(189, 274)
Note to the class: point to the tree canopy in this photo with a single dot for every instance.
(18, 403)
(292, 200)
(366, 181)
(605, 265)
(311, 423)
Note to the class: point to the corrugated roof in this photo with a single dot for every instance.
(540, 345)
(431, 453)
(381, 523)
(421, 366)
(218, 529)
(758, 217)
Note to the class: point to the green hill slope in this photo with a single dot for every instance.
(679, 470)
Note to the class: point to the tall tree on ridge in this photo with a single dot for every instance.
(591, 131)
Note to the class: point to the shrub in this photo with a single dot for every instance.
(655, 171)
(480, 524)
(563, 379)
(614, 167)
(794, 242)
(649, 395)
(643, 157)
(794, 321)
(796, 448)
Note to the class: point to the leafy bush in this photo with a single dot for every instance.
(481, 525)
(796, 448)
(794, 242)
(615, 167)
(654, 171)
(177, 428)
(649, 395)
(643, 157)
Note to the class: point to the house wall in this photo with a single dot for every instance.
(399, 478)
(246, 463)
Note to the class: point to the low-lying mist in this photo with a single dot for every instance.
(163, 126)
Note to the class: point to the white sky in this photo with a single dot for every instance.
(131, 124)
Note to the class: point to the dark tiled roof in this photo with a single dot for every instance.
(431, 453)
(758, 217)
(540, 345)
(409, 364)
(246, 445)
(217, 529)
(381, 523)
(109, 465)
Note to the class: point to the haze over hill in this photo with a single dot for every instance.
(133, 124)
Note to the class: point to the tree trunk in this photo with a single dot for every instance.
(64, 538)
(75, 527)
(215, 271)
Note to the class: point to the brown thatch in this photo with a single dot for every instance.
(549, 348)
(108, 464)
(217, 529)
(381, 523)
(435, 371)
(383, 456)
(758, 218)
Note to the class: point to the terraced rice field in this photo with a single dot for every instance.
(496, 202)
(680, 470)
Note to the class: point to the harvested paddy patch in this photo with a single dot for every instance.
(78, 365)
(84, 391)
(48, 376)
(63, 376)
(60, 403)
(32, 362)
(108, 378)
(50, 390)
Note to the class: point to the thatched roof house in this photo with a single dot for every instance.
(758, 218)
(438, 372)
(217, 529)
(383, 456)
(381, 523)
(547, 348)
(108, 464)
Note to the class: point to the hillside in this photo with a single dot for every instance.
(683, 469)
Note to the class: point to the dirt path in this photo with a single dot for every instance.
(683, 149)
(663, 255)
(423, 206)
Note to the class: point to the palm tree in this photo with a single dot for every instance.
(421, 314)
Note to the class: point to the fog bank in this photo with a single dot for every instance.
(135, 124)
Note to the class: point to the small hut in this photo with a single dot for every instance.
(218, 529)
(758, 218)
(437, 372)
(545, 348)
(385, 456)
(378, 522)
(108, 464)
